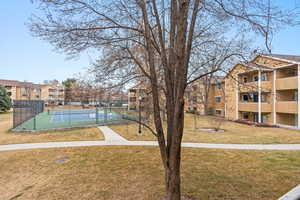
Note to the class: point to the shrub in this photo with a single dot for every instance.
(5, 102)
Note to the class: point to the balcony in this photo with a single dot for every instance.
(287, 83)
(253, 107)
(253, 86)
(287, 107)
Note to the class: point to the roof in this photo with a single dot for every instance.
(288, 58)
(140, 85)
(18, 83)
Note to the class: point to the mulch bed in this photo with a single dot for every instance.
(250, 123)
(183, 197)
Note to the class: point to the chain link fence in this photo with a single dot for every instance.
(34, 116)
(25, 110)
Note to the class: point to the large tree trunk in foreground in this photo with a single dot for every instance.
(173, 180)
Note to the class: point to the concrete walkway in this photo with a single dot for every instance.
(110, 135)
(113, 139)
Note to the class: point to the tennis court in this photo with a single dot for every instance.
(54, 119)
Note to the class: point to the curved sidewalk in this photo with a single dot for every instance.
(114, 139)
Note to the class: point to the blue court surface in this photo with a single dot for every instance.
(60, 116)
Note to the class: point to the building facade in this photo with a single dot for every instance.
(265, 90)
(139, 97)
(206, 97)
(53, 94)
(18, 90)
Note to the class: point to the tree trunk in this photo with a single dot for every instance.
(173, 182)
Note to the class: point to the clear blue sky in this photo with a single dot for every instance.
(23, 57)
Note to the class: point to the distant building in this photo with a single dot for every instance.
(139, 96)
(53, 94)
(18, 90)
(21, 90)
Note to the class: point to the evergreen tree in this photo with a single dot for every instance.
(5, 102)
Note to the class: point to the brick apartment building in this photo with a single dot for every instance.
(139, 96)
(264, 90)
(21, 90)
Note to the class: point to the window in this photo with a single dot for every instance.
(144, 99)
(245, 98)
(9, 93)
(245, 79)
(264, 77)
(52, 90)
(132, 108)
(194, 99)
(219, 86)
(245, 116)
(132, 99)
(24, 92)
(218, 112)
(255, 78)
(218, 99)
(264, 118)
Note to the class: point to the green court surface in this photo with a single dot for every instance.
(46, 121)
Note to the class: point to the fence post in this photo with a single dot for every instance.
(97, 116)
(34, 123)
(105, 114)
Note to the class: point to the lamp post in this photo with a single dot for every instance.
(140, 117)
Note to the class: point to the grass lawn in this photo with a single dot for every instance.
(7, 137)
(135, 173)
(234, 133)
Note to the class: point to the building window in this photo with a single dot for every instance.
(132, 99)
(255, 78)
(194, 99)
(24, 92)
(132, 108)
(218, 112)
(264, 77)
(245, 116)
(9, 93)
(219, 86)
(245, 79)
(245, 98)
(218, 99)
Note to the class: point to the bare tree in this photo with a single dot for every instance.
(158, 37)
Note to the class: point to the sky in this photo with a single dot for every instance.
(25, 58)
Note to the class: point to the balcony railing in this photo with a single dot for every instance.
(253, 86)
(287, 83)
(287, 107)
(253, 107)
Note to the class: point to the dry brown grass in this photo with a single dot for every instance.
(135, 173)
(234, 133)
(76, 134)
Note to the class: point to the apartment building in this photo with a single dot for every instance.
(139, 97)
(19, 90)
(206, 96)
(265, 90)
(53, 94)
